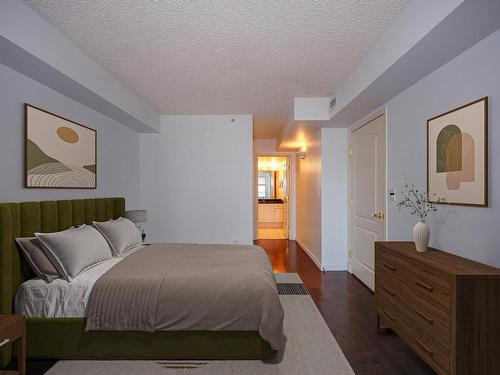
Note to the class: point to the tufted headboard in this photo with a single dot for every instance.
(25, 218)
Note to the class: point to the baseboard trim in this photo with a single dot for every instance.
(335, 267)
(322, 267)
(310, 254)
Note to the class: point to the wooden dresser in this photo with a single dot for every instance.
(446, 308)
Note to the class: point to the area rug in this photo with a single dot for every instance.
(310, 348)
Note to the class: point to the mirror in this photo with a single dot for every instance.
(266, 185)
(271, 179)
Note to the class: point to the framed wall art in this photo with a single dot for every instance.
(59, 153)
(457, 155)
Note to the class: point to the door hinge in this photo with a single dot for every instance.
(350, 203)
(350, 151)
(350, 253)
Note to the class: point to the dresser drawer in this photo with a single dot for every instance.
(393, 312)
(389, 290)
(392, 266)
(431, 352)
(432, 286)
(428, 319)
(428, 284)
(423, 315)
(402, 321)
(445, 307)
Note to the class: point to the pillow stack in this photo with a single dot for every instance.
(68, 253)
(36, 258)
(75, 250)
(121, 234)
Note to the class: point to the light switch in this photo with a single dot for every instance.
(392, 195)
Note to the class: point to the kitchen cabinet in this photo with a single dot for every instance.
(270, 213)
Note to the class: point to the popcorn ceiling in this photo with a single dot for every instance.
(224, 56)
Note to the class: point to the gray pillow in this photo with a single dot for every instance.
(36, 258)
(76, 250)
(121, 234)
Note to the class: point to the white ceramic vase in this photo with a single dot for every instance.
(421, 235)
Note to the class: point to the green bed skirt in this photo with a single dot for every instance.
(65, 338)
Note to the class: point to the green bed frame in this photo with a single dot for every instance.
(65, 338)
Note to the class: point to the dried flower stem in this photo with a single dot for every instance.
(417, 202)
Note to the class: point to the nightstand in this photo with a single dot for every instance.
(12, 328)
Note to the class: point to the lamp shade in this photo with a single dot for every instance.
(137, 216)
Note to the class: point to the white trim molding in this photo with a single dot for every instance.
(310, 254)
(322, 267)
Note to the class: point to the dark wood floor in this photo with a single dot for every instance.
(348, 308)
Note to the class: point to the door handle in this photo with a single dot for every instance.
(378, 215)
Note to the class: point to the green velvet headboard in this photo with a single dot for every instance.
(26, 218)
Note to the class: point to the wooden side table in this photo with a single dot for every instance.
(12, 328)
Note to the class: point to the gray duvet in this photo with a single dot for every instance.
(189, 287)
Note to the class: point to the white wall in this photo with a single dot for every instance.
(309, 199)
(468, 231)
(117, 145)
(196, 179)
(268, 147)
(417, 20)
(322, 194)
(264, 146)
(311, 109)
(334, 196)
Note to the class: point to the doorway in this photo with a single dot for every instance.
(368, 194)
(272, 189)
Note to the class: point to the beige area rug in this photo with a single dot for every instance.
(310, 349)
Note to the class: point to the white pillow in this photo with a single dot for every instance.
(121, 234)
(76, 250)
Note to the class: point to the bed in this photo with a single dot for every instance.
(64, 336)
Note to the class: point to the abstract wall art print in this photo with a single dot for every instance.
(457, 155)
(59, 153)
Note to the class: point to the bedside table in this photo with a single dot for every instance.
(12, 328)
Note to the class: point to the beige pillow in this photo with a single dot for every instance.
(121, 234)
(36, 258)
(76, 250)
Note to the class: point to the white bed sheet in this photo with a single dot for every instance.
(60, 298)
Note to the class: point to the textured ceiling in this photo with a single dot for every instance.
(226, 56)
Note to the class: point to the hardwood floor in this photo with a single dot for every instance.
(348, 308)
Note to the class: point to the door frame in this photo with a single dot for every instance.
(291, 194)
(359, 124)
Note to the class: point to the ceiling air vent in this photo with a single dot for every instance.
(333, 101)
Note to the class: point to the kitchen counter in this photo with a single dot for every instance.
(270, 201)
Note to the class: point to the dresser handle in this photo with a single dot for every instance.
(425, 347)
(424, 285)
(4, 342)
(387, 265)
(425, 317)
(389, 316)
(389, 291)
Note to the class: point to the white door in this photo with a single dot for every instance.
(286, 194)
(368, 196)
